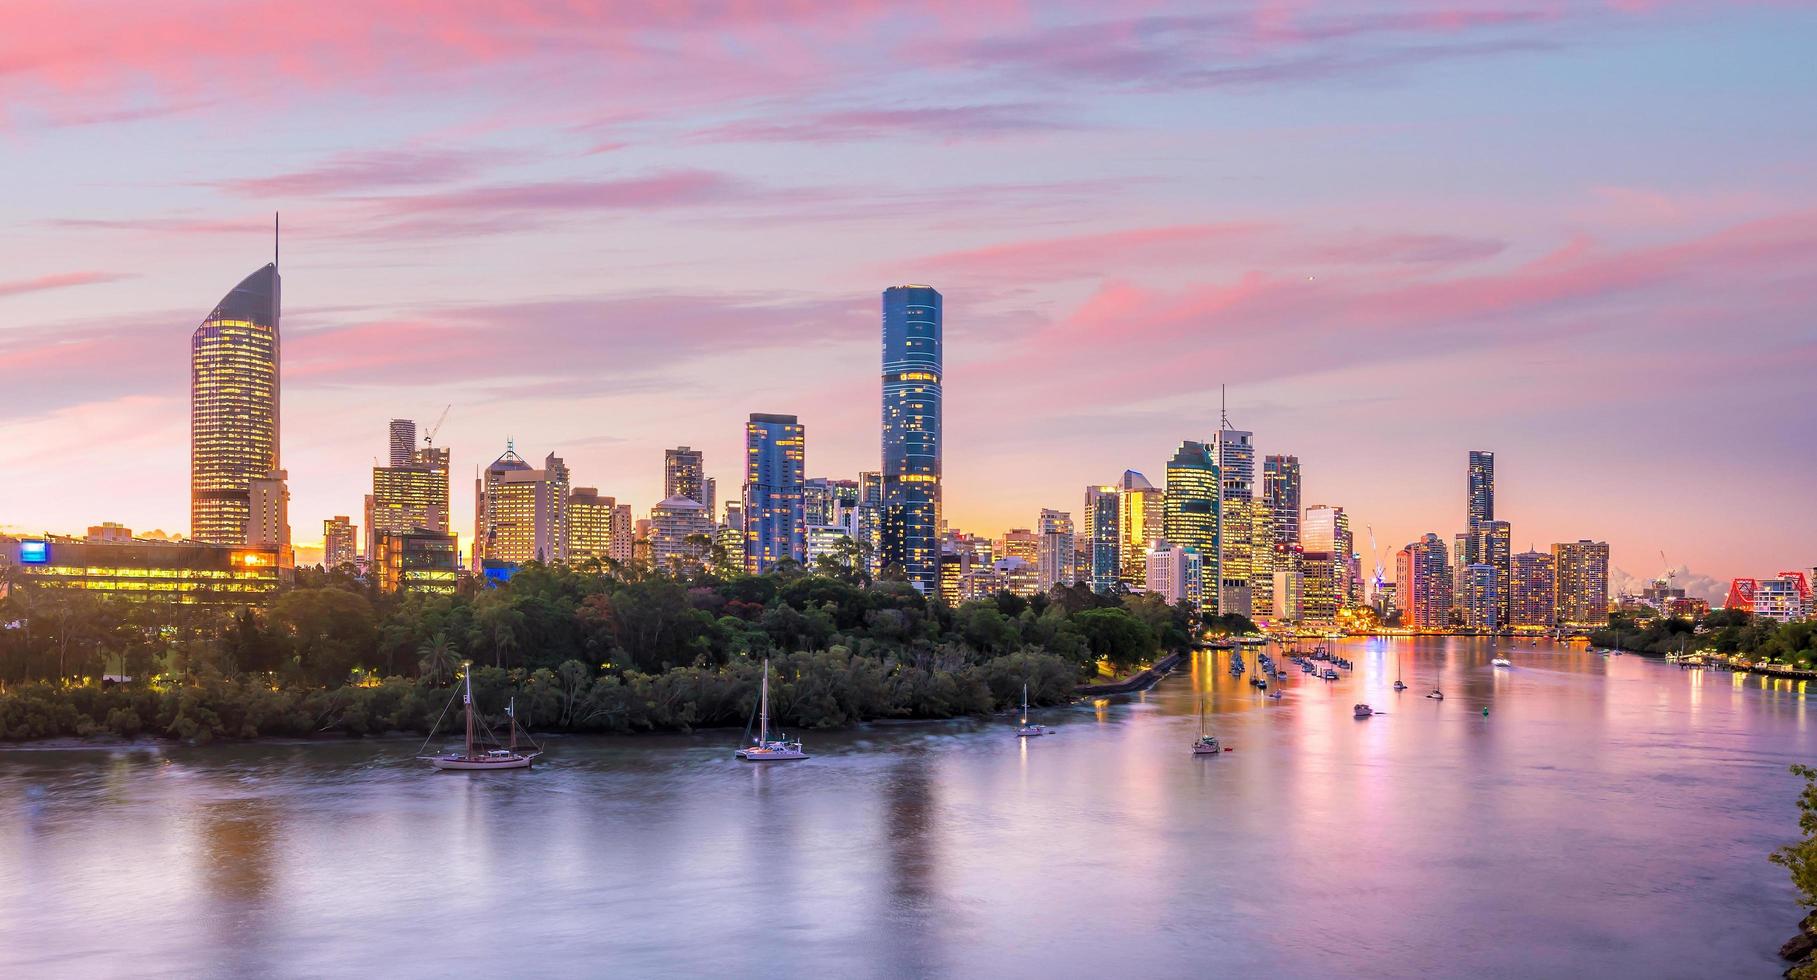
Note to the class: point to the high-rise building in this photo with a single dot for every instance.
(417, 561)
(624, 535)
(1174, 573)
(1054, 554)
(268, 516)
(775, 527)
(1495, 548)
(1423, 585)
(1263, 554)
(590, 520)
(1581, 593)
(1235, 453)
(233, 407)
(1289, 585)
(1103, 564)
(405, 498)
(684, 474)
(1141, 519)
(1531, 586)
(911, 499)
(1783, 598)
(1020, 542)
(680, 535)
(1480, 604)
(1281, 492)
(1191, 510)
(521, 512)
(869, 518)
(1327, 549)
(403, 442)
(1480, 490)
(339, 542)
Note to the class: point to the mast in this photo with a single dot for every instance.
(511, 710)
(467, 702)
(763, 714)
(1024, 703)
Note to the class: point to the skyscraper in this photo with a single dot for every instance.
(590, 525)
(1423, 584)
(775, 526)
(911, 434)
(521, 512)
(684, 474)
(1054, 556)
(1581, 583)
(680, 535)
(1325, 539)
(1191, 511)
(1281, 492)
(1103, 564)
(338, 546)
(1235, 453)
(268, 517)
(233, 407)
(1480, 604)
(403, 442)
(1480, 504)
(1495, 548)
(1141, 519)
(1531, 590)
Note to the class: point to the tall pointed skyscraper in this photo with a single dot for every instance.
(233, 407)
(910, 526)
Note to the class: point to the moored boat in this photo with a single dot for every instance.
(764, 748)
(473, 757)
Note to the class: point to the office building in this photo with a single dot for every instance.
(1581, 583)
(1054, 555)
(117, 564)
(1495, 548)
(1234, 451)
(521, 511)
(1263, 552)
(1141, 520)
(1020, 542)
(1480, 489)
(1423, 584)
(775, 528)
(591, 520)
(684, 474)
(911, 497)
(403, 442)
(339, 542)
(417, 561)
(268, 517)
(1531, 587)
(1102, 567)
(1480, 605)
(233, 407)
(681, 535)
(1191, 510)
(1327, 556)
(1175, 573)
(1281, 492)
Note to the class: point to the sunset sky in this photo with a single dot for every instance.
(1582, 235)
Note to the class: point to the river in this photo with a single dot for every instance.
(1608, 817)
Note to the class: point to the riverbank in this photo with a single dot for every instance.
(1140, 681)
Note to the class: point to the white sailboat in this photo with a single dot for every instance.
(1399, 685)
(472, 757)
(764, 748)
(1027, 730)
(1206, 744)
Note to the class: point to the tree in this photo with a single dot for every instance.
(1116, 636)
(331, 631)
(439, 659)
(1800, 859)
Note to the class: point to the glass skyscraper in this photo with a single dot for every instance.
(775, 526)
(1192, 512)
(910, 538)
(233, 407)
(1281, 490)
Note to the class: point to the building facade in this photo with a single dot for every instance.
(1531, 587)
(910, 491)
(417, 561)
(144, 570)
(339, 537)
(1054, 550)
(1234, 451)
(1423, 584)
(1141, 520)
(1192, 509)
(1581, 583)
(680, 536)
(1175, 573)
(775, 525)
(233, 407)
(1102, 567)
(1281, 494)
(522, 512)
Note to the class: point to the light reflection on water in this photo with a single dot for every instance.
(1608, 817)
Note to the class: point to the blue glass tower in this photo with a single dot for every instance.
(911, 435)
(775, 527)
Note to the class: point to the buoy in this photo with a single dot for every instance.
(1485, 712)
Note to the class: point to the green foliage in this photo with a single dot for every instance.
(1726, 631)
(1800, 859)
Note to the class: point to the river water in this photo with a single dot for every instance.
(1609, 817)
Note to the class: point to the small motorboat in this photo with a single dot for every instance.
(1330, 675)
(1502, 662)
(1363, 711)
(1437, 695)
(1274, 695)
(1399, 686)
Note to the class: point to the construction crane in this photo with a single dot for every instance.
(1671, 574)
(429, 433)
(1377, 553)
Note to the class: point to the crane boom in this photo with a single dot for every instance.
(429, 433)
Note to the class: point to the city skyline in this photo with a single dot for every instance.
(1626, 301)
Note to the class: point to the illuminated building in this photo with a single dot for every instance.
(912, 361)
(144, 570)
(1054, 560)
(1423, 584)
(623, 535)
(1103, 564)
(1191, 512)
(1495, 548)
(1234, 451)
(775, 528)
(1014, 574)
(417, 561)
(827, 540)
(1783, 598)
(680, 535)
(1281, 494)
(1174, 573)
(338, 547)
(268, 517)
(1581, 577)
(591, 520)
(1326, 546)
(1531, 586)
(521, 512)
(1480, 489)
(233, 407)
(684, 474)
(1141, 520)
(405, 498)
(1021, 543)
(1289, 585)
(1263, 551)
(1480, 604)
(870, 517)
(403, 442)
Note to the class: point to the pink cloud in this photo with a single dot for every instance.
(920, 122)
(61, 280)
(368, 171)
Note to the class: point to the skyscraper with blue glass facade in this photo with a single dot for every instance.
(775, 526)
(911, 435)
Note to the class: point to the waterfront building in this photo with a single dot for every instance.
(1581, 583)
(1481, 606)
(521, 513)
(117, 564)
(417, 561)
(1783, 598)
(684, 474)
(268, 517)
(403, 442)
(1191, 511)
(912, 417)
(1141, 519)
(775, 529)
(1423, 585)
(590, 525)
(338, 542)
(1289, 585)
(1054, 558)
(1234, 451)
(1327, 552)
(1495, 548)
(1479, 507)
(1103, 565)
(1175, 573)
(233, 407)
(1263, 551)
(1532, 586)
(681, 535)
(1281, 493)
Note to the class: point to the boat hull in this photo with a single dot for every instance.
(771, 755)
(458, 764)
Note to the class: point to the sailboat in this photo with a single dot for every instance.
(1436, 695)
(764, 748)
(472, 757)
(1027, 730)
(1207, 744)
(1399, 685)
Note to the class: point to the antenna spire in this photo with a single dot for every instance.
(1223, 416)
(274, 239)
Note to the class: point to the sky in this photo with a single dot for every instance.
(1581, 235)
